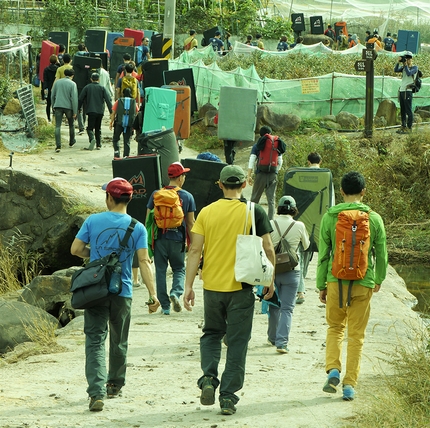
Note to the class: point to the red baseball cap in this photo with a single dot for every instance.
(118, 187)
(176, 169)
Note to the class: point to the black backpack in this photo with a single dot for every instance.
(416, 86)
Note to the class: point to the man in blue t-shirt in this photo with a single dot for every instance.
(388, 43)
(217, 43)
(169, 247)
(99, 236)
(143, 52)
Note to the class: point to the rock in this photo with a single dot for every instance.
(332, 125)
(388, 110)
(12, 107)
(347, 120)
(287, 122)
(330, 117)
(380, 122)
(203, 109)
(424, 114)
(312, 39)
(209, 118)
(17, 320)
(42, 121)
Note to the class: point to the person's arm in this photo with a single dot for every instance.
(270, 253)
(193, 260)
(79, 248)
(398, 68)
(112, 119)
(146, 272)
(380, 245)
(324, 249)
(189, 221)
(305, 238)
(251, 163)
(411, 71)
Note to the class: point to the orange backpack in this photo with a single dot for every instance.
(351, 252)
(168, 211)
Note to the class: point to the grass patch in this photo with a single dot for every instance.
(201, 140)
(80, 209)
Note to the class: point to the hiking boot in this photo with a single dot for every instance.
(332, 381)
(207, 397)
(96, 403)
(72, 143)
(113, 390)
(282, 349)
(176, 305)
(57, 150)
(116, 155)
(348, 393)
(227, 406)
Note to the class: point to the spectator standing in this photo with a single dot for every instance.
(287, 283)
(264, 181)
(64, 98)
(169, 247)
(388, 43)
(329, 32)
(228, 45)
(94, 240)
(282, 45)
(394, 49)
(409, 71)
(348, 309)
(368, 36)
(228, 304)
(48, 81)
(95, 96)
(217, 43)
(260, 44)
(190, 42)
(248, 40)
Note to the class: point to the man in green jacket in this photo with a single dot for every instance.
(355, 308)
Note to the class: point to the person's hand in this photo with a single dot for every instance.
(323, 296)
(377, 288)
(250, 181)
(269, 291)
(189, 297)
(153, 304)
(110, 126)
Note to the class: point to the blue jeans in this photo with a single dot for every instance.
(167, 251)
(265, 181)
(229, 314)
(280, 318)
(58, 114)
(112, 315)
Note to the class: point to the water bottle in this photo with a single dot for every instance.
(115, 280)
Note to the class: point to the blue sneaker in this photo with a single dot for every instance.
(332, 381)
(348, 393)
(165, 311)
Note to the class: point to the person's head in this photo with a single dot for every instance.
(217, 34)
(95, 77)
(61, 48)
(177, 172)
(232, 177)
(192, 32)
(329, 26)
(126, 92)
(314, 158)
(67, 58)
(248, 38)
(283, 38)
(119, 189)
(126, 57)
(145, 41)
(287, 206)
(408, 55)
(129, 68)
(352, 183)
(81, 47)
(258, 36)
(388, 34)
(69, 72)
(53, 59)
(265, 130)
(368, 33)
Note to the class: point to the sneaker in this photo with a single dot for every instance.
(282, 349)
(72, 143)
(269, 342)
(92, 144)
(227, 406)
(113, 390)
(57, 150)
(98, 147)
(116, 155)
(348, 393)
(300, 298)
(96, 403)
(332, 381)
(81, 132)
(176, 305)
(207, 397)
(136, 285)
(165, 311)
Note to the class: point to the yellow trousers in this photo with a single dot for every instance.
(355, 317)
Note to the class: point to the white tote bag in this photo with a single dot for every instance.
(252, 265)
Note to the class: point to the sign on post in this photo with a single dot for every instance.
(362, 65)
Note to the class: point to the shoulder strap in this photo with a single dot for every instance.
(128, 233)
(279, 230)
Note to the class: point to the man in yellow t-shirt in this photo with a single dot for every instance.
(190, 42)
(216, 228)
(67, 59)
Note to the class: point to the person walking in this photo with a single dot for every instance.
(228, 304)
(169, 247)
(48, 82)
(190, 42)
(217, 43)
(121, 120)
(67, 59)
(265, 180)
(64, 99)
(95, 96)
(348, 302)
(286, 283)
(409, 72)
(112, 314)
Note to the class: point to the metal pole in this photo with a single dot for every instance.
(370, 90)
(167, 51)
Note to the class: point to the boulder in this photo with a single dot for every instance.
(330, 117)
(312, 39)
(347, 120)
(380, 122)
(330, 124)
(424, 114)
(13, 106)
(17, 320)
(209, 118)
(204, 108)
(287, 122)
(388, 110)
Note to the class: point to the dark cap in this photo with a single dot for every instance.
(118, 187)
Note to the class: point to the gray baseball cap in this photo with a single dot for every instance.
(288, 201)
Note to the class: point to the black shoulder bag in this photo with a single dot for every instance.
(90, 284)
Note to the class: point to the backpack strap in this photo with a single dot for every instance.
(127, 235)
(285, 233)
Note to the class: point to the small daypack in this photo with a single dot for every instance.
(168, 212)
(351, 249)
(126, 112)
(286, 258)
(268, 157)
(416, 86)
(131, 83)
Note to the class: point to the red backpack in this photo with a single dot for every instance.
(268, 157)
